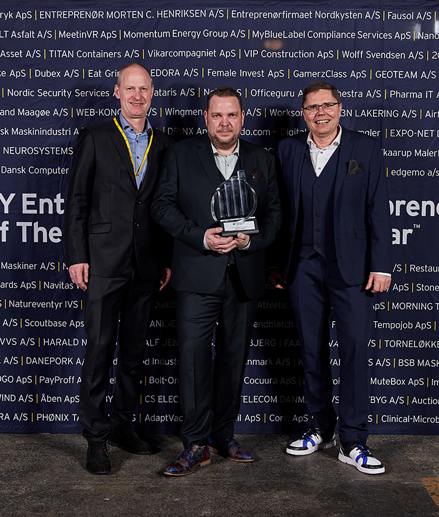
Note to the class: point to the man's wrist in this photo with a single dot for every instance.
(205, 246)
(247, 246)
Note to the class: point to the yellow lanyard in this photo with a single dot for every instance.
(129, 149)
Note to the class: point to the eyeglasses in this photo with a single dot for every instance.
(327, 106)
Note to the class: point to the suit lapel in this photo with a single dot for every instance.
(297, 164)
(346, 146)
(246, 161)
(205, 155)
(121, 147)
(151, 171)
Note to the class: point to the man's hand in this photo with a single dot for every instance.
(79, 275)
(241, 240)
(378, 283)
(166, 277)
(218, 243)
(275, 278)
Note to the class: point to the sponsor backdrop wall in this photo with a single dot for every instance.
(58, 66)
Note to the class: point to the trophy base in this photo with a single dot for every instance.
(235, 226)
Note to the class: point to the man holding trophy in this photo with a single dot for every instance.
(218, 198)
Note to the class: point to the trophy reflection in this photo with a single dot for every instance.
(233, 204)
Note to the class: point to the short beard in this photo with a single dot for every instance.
(218, 144)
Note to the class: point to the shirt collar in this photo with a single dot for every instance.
(217, 153)
(334, 143)
(125, 125)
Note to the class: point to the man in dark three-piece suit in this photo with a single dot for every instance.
(117, 254)
(337, 253)
(218, 279)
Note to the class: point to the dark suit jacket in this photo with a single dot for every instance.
(361, 205)
(107, 217)
(182, 207)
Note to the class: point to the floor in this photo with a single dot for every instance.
(45, 475)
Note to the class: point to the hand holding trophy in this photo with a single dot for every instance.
(233, 204)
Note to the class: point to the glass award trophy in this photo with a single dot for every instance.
(233, 204)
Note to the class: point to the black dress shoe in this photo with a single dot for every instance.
(124, 437)
(98, 461)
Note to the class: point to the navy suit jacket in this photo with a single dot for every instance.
(361, 206)
(182, 207)
(107, 217)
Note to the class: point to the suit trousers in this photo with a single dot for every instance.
(115, 309)
(317, 288)
(210, 389)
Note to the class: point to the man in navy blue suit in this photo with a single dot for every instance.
(339, 254)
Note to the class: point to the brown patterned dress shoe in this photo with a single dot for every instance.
(230, 449)
(194, 456)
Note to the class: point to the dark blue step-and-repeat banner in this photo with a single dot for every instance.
(58, 66)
